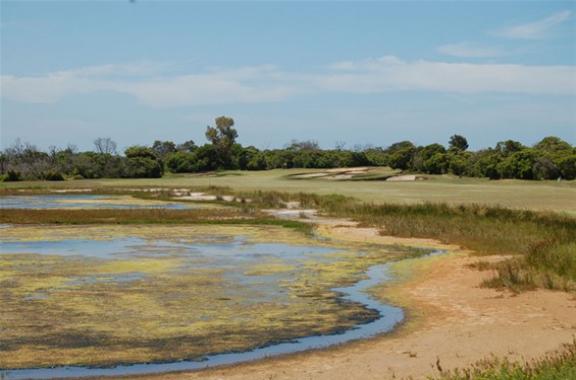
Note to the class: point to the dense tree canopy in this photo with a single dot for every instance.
(458, 143)
(550, 158)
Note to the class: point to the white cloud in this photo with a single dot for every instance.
(378, 75)
(204, 89)
(112, 70)
(258, 84)
(467, 50)
(537, 29)
(242, 85)
(371, 63)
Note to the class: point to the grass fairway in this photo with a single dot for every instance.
(534, 195)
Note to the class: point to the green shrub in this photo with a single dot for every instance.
(143, 167)
(53, 176)
(12, 176)
(560, 365)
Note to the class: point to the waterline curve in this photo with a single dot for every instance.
(389, 317)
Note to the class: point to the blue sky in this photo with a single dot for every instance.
(355, 72)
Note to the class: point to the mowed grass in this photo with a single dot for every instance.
(533, 195)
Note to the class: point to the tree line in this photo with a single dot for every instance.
(551, 158)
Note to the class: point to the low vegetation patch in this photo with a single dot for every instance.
(239, 216)
(542, 245)
(560, 365)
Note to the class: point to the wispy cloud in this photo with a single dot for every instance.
(146, 83)
(537, 29)
(392, 74)
(467, 50)
(265, 83)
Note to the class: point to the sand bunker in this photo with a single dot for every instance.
(405, 178)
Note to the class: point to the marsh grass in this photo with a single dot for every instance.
(560, 365)
(542, 245)
(230, 216)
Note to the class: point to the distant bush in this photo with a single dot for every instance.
(12, 176)
(53, 176)
(182, 162)
(143, 167)
(567, 166)
(142, 162)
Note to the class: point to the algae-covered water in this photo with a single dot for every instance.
(85, 201)
(180, 297)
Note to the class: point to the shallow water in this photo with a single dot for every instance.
(80, 201)
(220, 251)
(235, 256)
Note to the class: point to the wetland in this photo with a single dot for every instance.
(87, 201)
(193, 296)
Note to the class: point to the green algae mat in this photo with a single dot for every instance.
(106, 295)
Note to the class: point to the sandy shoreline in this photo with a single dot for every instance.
(451, 322)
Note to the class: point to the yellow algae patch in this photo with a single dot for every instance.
(6, 274)
(29, 285)
(138, 265)
(183, 233)
(269, 268)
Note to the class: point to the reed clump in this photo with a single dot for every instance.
(542, 247)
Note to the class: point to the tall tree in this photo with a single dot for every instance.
(105, 145)
(223, 136)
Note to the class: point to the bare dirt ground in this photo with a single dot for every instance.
(452, 322)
